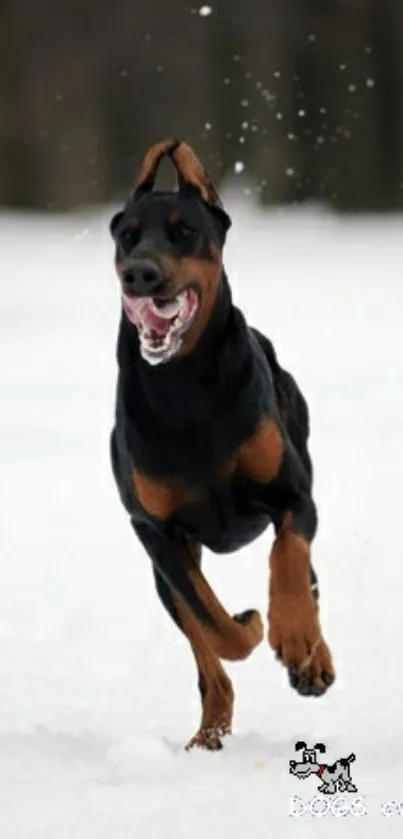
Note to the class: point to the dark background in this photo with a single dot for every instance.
(307, 94)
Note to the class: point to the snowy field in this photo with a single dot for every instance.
(97, 686)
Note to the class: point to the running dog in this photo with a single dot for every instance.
(209, 444)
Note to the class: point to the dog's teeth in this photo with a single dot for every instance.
(167, 310)
(156, 348)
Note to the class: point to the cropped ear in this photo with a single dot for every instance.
(191, 175)
(148, 170)
(191, 171)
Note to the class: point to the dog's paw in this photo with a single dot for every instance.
(295, 636)
(314, 676)
(252, 621)
(209, 738)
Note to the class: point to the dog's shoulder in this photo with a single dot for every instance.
(291, 403)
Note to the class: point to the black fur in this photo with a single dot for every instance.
(185, 418)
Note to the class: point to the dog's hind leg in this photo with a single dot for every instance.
(230, 638)
(215, 687)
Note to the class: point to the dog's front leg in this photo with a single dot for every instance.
(271, 461)
(217, 695)
(231, 638)
(294, 626)
(210, 630)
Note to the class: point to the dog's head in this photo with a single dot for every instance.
(309, 764)
(169, 254)
(303, 769)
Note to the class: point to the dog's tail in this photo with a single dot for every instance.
(351, 758)
(232, 638)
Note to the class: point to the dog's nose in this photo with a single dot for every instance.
(142, 278)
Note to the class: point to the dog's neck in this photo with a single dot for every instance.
(182, 393)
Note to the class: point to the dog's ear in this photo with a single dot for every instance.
(300, 745)
(320, 747)
(190, 171)
(114, 223)
(148, 170)
(192, 178)
(222, 222)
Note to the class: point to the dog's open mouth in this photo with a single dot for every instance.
(161, 323)
(301, 772)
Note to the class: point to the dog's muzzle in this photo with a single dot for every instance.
(161, 323)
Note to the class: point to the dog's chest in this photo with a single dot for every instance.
(225, 517)
(222, 516)
(196, 456)
(229, 511)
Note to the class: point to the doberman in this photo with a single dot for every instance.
(209, 444)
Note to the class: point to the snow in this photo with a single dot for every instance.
(205, 11)
(97, 687)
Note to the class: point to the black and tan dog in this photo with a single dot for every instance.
(210, 439)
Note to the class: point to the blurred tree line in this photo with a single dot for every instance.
(304, 98)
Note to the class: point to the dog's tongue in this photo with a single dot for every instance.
(143, 312)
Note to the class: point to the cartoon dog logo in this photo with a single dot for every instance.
(333, 777)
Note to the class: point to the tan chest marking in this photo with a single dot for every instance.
(161, 499)
(260, 457)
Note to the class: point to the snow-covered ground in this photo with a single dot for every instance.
(97, 687)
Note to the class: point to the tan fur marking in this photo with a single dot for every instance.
(260, 457)
(231, 640)
(206, 274)
(159, 499)
(294, 627)
(218, 695)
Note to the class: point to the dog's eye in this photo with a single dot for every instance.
(129, 238)
(181, 231)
